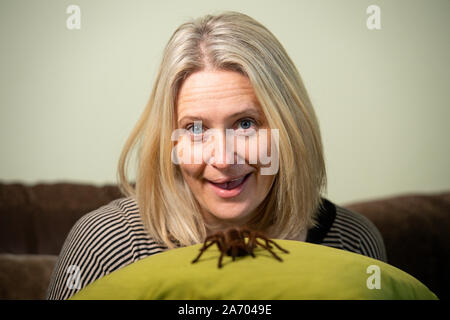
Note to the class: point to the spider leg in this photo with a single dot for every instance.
(256, 235)
(222, 248)
(245, 233)
(234, 252)
(203, 249)
(250, 246)
(250, 251)
(213, 236)
(247, 245)
(276, 245)
(251, 242)
(248, 234)
(268, 249)
(267, 243)
(220, 259)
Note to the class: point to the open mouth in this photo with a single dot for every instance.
(232, 184)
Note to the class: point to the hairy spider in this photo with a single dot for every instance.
(233, 242)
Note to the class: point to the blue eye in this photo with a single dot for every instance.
(246, 124)
(196, 128)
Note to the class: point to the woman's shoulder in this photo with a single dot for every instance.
(100, 242)
(116, 222)
(123, 211)
(344, 229)
(360, 233)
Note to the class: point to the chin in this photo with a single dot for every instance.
(231, 212)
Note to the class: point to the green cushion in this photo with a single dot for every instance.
(308, 271)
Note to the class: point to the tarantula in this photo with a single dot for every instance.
(233, 242)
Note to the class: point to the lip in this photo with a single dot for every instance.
(227, 179)
(224, 193)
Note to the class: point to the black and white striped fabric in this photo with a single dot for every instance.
(113, 236)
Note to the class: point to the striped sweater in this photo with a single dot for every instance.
(114, 236)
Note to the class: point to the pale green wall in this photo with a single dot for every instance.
(69, 99)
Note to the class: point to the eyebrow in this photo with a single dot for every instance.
(253, 112)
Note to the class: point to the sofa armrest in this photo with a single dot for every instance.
(25, 276)
(415, 230)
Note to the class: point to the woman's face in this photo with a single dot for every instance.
(228, 187)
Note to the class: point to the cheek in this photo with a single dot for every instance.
(250, 152)
(187, 152)
(257, 149)
(264, 183)
(191, 173)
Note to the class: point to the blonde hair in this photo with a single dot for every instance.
(227, 41)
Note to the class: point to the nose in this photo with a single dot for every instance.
(222, 150)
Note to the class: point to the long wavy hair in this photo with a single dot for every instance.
(236, 42)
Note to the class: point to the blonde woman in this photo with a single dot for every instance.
(223, 78)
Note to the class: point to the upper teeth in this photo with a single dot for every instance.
(230, 180)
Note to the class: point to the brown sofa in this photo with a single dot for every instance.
(35, 220)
